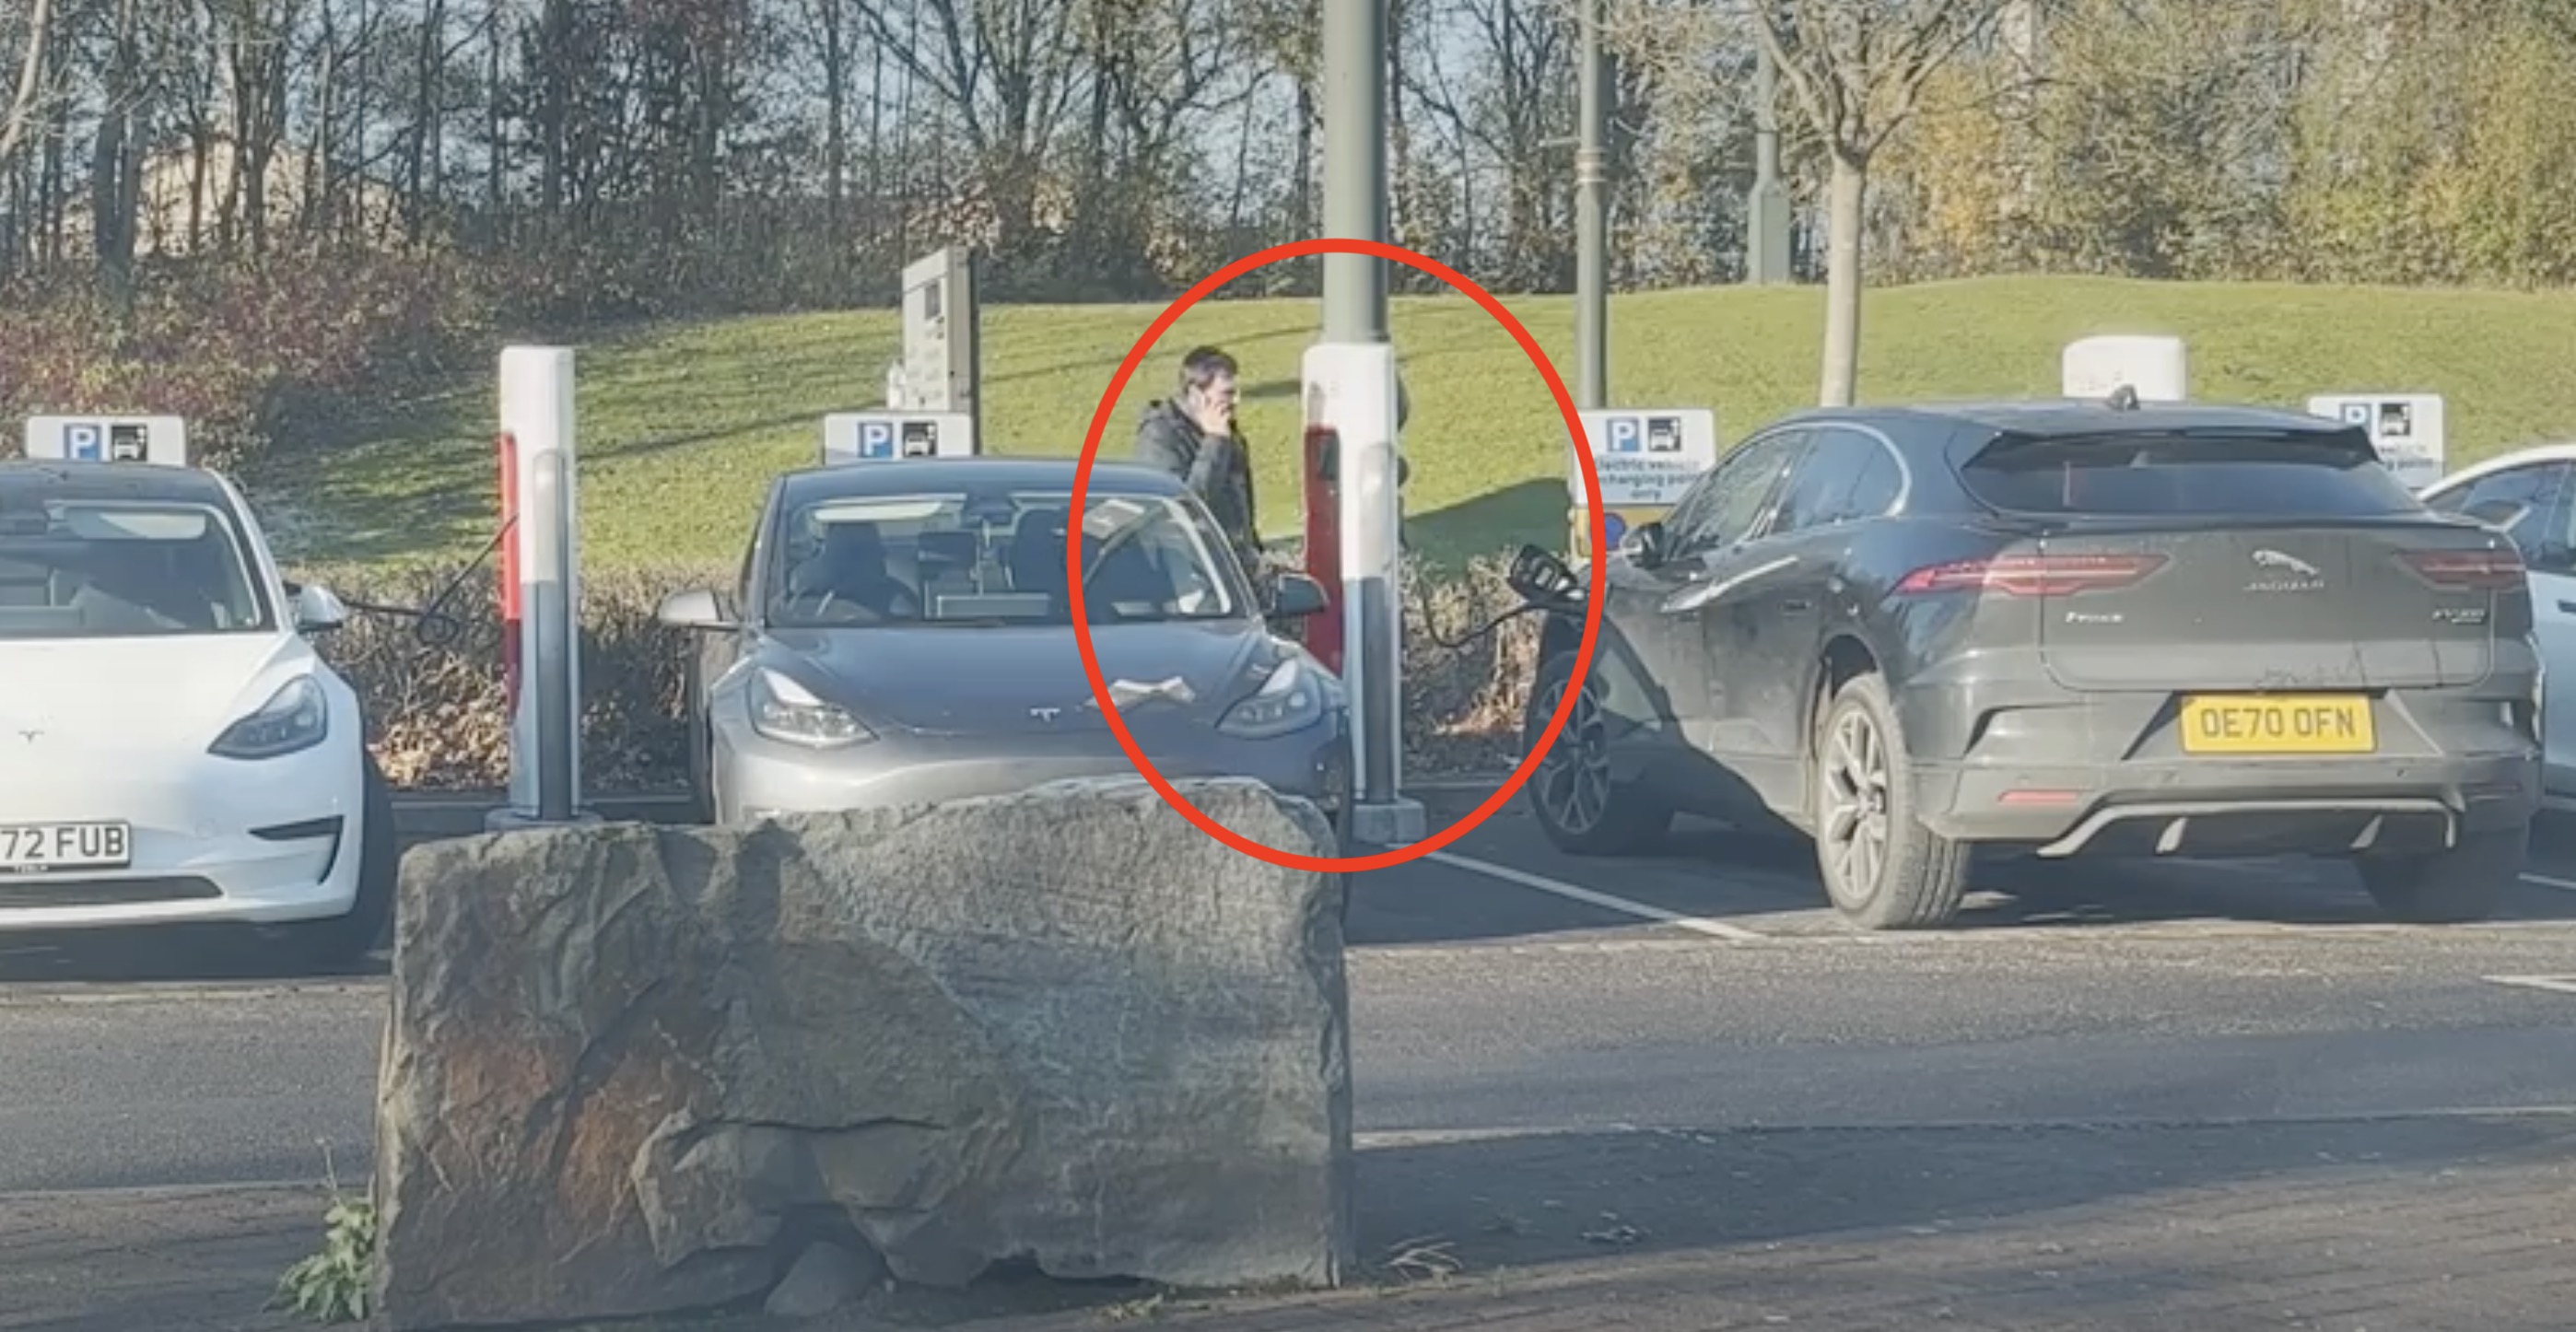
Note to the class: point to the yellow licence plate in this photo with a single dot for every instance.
(2277, 724)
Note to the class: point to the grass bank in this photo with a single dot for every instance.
(682, 427)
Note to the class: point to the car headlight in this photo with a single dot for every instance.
(1291, 699)
(785, 710)
(295, 718)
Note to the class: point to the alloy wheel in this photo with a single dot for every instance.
(1854, 828)
(1573, 781)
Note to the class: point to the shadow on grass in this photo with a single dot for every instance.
(424, 481)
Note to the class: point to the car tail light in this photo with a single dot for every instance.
(2488, 570)
(2033, 575)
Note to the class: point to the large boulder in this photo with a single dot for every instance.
(634, 1069)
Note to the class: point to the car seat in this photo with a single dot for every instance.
(1128, 578)
(850, 568)
(948, 563)
(1037, 554)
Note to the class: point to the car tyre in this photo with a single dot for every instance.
(702, 801)
(1883, 870)
(338, 941)
(1581, 808)
(2455, 887)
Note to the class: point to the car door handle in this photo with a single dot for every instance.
(2566, 607)
(1797, 605)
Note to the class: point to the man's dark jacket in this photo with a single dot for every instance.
(1216, 467)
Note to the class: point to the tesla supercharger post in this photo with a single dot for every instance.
(536, 443)
(1350, 392)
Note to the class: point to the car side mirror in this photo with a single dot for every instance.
(318, 610)
(1296, 596)
(1646, 545)
(695, 609)
(2499, 514)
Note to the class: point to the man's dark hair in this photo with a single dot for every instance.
(1202, 365)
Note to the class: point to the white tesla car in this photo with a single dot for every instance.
(172, 749)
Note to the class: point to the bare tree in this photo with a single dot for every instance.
(1857, 69)
(31, 77)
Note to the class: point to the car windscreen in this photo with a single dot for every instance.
(2311, 475)
(83, 569)
(996, 558)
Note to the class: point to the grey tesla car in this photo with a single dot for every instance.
(901, 634)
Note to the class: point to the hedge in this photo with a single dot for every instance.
(434, 700)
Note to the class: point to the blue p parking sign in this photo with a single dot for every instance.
(876, 439)
(84, 441)
(1624, 435)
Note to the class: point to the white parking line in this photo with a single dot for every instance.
(2545, 881)
(2554, 984)
(1640, 910)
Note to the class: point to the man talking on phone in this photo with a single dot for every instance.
(1192, 436)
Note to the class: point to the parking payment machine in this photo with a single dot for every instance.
(1645, 458)
(891, 436)
(159, 440)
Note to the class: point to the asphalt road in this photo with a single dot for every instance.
(1501, 986)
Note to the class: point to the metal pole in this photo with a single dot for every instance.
(1591, 226)
(1358, 362)
(1766, 206)
(1354, 106)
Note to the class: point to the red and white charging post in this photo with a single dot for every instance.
(1351, 416)
(540, 589)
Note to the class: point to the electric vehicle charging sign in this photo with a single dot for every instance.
(866, 437)
(1645, 458)
(2406, 428)
(161, 441)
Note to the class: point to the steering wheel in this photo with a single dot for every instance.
(826, 608)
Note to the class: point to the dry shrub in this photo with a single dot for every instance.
(435, 705)
(249, 355)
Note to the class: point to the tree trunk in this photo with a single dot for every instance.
(1848, 192)
(836, 142)
(31, 78)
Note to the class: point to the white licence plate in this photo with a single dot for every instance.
(41, 848)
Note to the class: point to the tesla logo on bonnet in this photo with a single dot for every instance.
(1046, 714)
